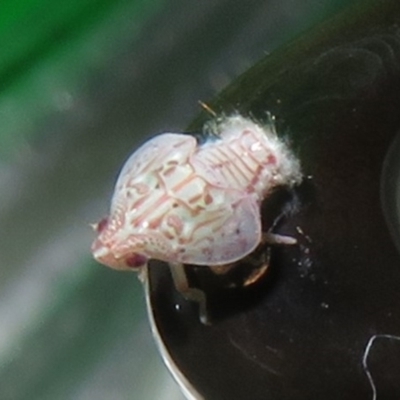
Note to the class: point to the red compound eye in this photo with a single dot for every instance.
(101, 225)
(136, 260)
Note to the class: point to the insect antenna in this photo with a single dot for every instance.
(207, 108)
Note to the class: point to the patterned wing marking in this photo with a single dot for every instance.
(231, 231)
(138, 172)
(168, 147)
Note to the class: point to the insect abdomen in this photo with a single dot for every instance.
(244, 163)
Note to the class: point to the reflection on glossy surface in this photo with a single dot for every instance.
(391, 189)
(303, 332)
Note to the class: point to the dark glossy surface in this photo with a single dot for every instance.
(302, 331)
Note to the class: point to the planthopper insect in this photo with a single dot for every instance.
(183, 201)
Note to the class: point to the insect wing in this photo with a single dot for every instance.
(167, 147)
(242, 233)
(156, 151)
(233, 230)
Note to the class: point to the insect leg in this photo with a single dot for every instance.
(275, 238)
(193, 294)
(221, 269)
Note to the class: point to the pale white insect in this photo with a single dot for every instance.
(187, 203)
